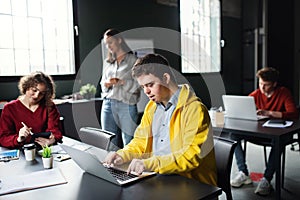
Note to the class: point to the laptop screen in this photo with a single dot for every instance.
(240, 107)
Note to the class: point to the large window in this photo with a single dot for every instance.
(36, 35)
(200, 40)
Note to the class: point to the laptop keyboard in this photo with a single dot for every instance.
(121, 175)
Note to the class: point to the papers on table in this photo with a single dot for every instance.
(39, 179)
(282, 124)
(58, 153)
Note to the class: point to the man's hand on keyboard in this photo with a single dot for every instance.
(136, 166)
(113, 158)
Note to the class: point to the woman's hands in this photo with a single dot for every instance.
(45, 141)
(113, 81)
(23, 133)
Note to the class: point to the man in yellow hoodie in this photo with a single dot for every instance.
(174, 136)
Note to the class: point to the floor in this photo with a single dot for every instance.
(255, 162)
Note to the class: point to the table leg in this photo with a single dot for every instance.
(277, 152)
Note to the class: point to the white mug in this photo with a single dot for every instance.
(29, 151)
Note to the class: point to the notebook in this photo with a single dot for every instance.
(241, 107)
(28, 181)
(90, 164)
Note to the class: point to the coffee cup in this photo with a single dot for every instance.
(219, 118)
(29, 151)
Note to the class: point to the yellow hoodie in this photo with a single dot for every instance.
(191, 141)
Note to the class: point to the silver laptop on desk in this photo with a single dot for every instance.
(241, 107)
(90, 164)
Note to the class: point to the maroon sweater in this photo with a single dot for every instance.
(281, 100)
(43, 119)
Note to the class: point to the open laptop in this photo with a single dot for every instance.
(90, 164)
(241, 107)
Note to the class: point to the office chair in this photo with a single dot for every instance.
(297, 142)
(224, 150)
(96, 137)
(62, 124)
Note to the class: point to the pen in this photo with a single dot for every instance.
(31, 133)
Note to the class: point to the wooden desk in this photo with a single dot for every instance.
(85, 186)
(254, 129)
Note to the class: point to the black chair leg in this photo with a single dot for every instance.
(266, 160)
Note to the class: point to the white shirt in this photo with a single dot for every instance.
(129, 92)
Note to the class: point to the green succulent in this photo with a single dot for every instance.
(87, 90)
(47, 152)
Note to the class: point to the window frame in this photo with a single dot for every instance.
(15, 78)
(220, 44)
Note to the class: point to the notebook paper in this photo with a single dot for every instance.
(31, 181)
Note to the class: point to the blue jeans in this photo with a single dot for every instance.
(119, 118)
(241, 162)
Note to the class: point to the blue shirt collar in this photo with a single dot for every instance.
(172, 101)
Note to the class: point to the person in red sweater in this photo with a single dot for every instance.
(33, 112)
(275, 102)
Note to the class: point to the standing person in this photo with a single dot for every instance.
(121, 92)
(272, 101)
(174, 134)
(33, 112)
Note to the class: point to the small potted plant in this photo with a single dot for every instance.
(47, 157)
(87, 91)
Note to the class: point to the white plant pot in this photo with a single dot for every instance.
(48, 162)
